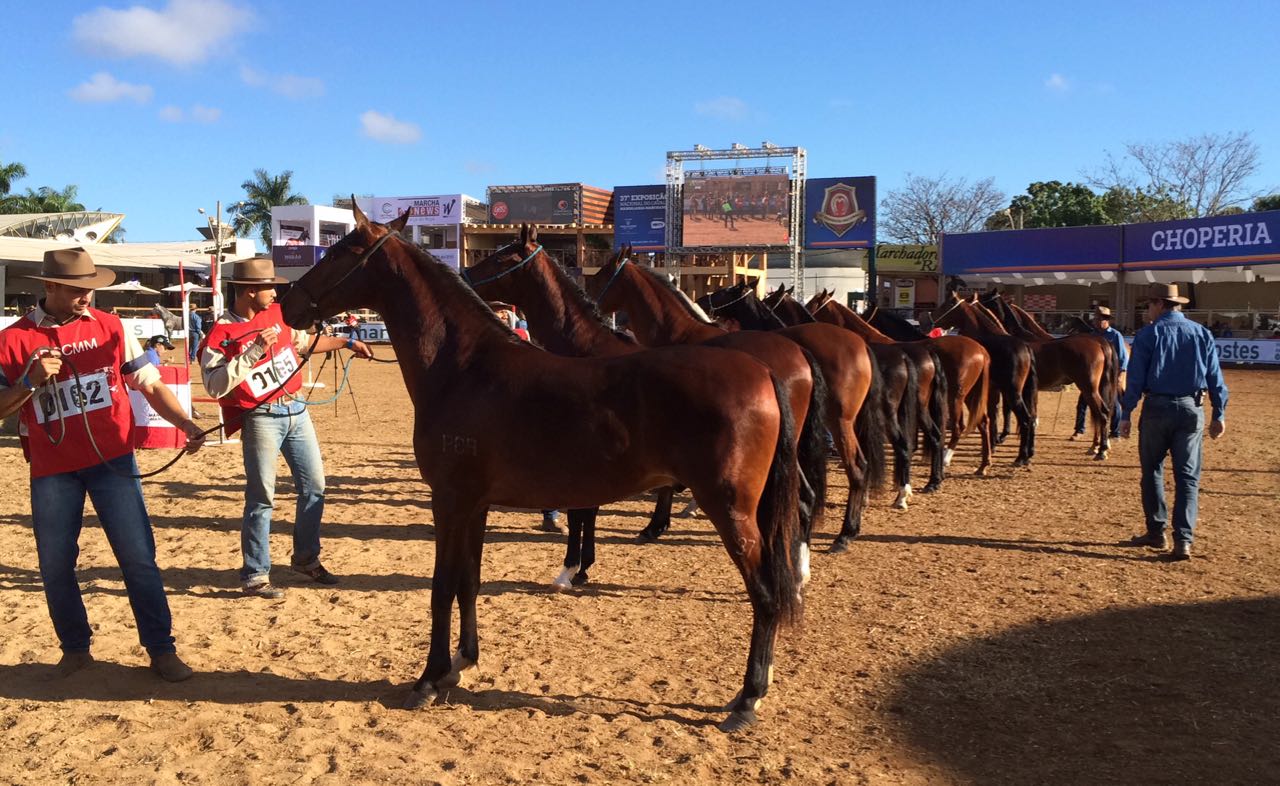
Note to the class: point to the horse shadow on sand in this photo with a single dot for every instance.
(1154, 694)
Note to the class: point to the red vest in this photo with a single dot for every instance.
(96, 348)
(262, 385)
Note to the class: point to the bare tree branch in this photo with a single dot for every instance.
(1205, 174)
(925, 207)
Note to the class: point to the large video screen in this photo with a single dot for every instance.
(750, 210)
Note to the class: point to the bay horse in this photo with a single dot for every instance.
(930, 395)
(1087, 361)
(739, 305)
(967, 367)
(662, 315)
(498, 421)
(564, 322)
(1013, 369)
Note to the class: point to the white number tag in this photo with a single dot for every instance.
(267, 377)
(71, 397)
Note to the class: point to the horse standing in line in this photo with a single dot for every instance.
(498, 421)
(662, 315)
(1013, 370)
(565, 323)
(967, 367)
(739, 305)
(931, 389)
(1087, 361)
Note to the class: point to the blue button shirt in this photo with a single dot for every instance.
(1117, 342)
(1174, 356)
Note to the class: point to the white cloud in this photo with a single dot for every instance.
(198, 114)
(287, 85)
(1057, 82)
(183, 32)
(724, 107)
(104, 88)
(385, 128)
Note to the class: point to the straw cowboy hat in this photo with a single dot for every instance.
(259, 270)
(1165, 292)
(1102, 312)
(73, 267)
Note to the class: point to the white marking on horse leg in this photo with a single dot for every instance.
(565, 580)
(770, 682)
(947, 455)
(804, 564)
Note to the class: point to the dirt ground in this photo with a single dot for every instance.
(995, 633)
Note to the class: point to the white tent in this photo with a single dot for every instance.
(187, 287)
(133, 286)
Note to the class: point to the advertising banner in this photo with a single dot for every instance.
(440, 210)
(640, 217)
(149, 429)
(1203, 242)
(558, 206)
(1232, 350)
(751, 210)
(895, 258)
(840, 212)
(1033, 250)
(296, 256)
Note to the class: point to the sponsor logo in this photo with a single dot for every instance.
(500, 210)
(840, 212)
(657, 224)
(1222, 236)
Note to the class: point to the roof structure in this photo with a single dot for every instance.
(26, 253)
(89, 226)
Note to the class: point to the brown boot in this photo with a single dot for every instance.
(70, 663)
(170, 667)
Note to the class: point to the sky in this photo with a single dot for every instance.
(155, 108)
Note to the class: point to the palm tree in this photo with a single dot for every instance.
(10, 173)
(43, 200)
(261, 194)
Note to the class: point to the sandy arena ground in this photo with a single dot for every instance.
(996, 632)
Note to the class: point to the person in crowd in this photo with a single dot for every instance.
(93, 353)
(1102, 325)
(1174, 361)
(249, 362)
(195, 334)
(154, 345)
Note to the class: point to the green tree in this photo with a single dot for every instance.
(1056, 204)
(1269, 202)
(262, 193)
(1124, 205)
(10, 173)
(43, 200)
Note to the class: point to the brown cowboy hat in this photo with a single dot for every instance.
(1102, 312)
(259, 270)
(73, 267)
(1165, 292)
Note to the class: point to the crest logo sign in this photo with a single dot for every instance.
(841, 212)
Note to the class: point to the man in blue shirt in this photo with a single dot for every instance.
(1102, 324)
(1174, 361)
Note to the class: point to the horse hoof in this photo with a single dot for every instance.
(417, 699)
(929, 488)
(579, 579)
(459, 664)
(840, 545)
(982, 472)
(737, 721)
(900, 503)
(1101, 455)
(565, 579)
(646, 536)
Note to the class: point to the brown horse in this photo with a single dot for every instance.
(661, 315)
(738, 305)
(967, 367)
(1013, 369)
(930, 392)
(500, 422)
(1086, 361)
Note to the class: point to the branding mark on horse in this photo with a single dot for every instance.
(459, 445)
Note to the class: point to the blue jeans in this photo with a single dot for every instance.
(1082, 408)
(57, 513)
(266, 435)
(1174, 427)
(194, 337)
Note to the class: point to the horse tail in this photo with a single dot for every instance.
(937, 405)
(909, 413)
(1110, 380)
(778, 517)
(813, 447)
(870, 428)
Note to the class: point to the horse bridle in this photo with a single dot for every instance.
(722, 306)
(950, 308)
(621, 263)
(314, 303)
(467, 277)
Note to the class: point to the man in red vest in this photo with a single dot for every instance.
(63, 365)
(249, 362)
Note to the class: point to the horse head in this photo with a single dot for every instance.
(491, 277)
(600, 287)
(818, 301)
(344, 277)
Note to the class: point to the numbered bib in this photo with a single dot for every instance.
(71, 397)
(267, 377)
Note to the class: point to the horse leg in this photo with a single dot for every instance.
(901, 442)
(984, 463)
(661, 519)
(1101, 429)
(468, 653)
(855, 472)
(755, 684)
(573, 550)
(588, 546)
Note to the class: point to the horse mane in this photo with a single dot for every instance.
(572, 288)
(433, 268)
(898, 321)
(692, 308)
(1076, 325)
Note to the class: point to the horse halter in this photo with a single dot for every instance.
(466, 276)
(722, 306)
(313, 302)
(950, 308)
(621, 264)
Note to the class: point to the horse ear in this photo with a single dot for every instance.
(533, 233)
(361, 219)
(401, 221)
(524, 235)
(973, 298)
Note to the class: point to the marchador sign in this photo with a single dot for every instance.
(892, 258)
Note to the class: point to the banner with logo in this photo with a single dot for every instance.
(1033, 250)
(440, 210)
(1203, 242)
(557, 206)
(640, 217)
(296, 256)
(1232, 350)
(896, 258)
(149, 429)
(840, 212)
